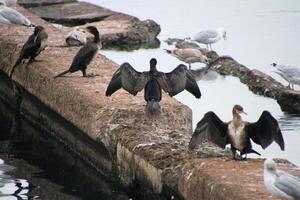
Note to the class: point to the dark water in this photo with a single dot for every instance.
(36, 166)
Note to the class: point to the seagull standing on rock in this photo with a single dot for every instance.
(209, 36)
(11, 16)
(279, 183)
(189, 55)
(289, 73)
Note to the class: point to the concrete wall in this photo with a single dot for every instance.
(114, 134)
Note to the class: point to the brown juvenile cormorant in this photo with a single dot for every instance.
(34, 45)
(85, 55)
(153, 81)
(238, 132)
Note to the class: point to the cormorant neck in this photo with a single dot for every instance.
(237, 119)
(97, 38)
(153, 69)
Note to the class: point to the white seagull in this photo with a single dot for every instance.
(289, 73)
(209, 36)
(279, 183)
(189, 55)
(11, 16)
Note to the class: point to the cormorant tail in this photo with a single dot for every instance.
(61, 74)
(253, 151)
(153, 106)
(168, 51)
(14, 67)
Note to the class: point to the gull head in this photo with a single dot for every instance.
(223, 32)
(274, 64)
(270, 166)
(187, 39)
(2, 3)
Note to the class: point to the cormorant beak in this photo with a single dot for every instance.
(242, 112)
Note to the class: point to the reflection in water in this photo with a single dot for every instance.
(11, 188)
(290, 123)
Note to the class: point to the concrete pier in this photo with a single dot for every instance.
(113, 134)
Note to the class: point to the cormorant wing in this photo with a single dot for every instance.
(128, 78)
(211, 128)
(83, 57)
(179, 79)
(265, 131)
(30, 47)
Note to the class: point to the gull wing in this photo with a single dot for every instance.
(206, 34)
(177, 80)
(288, 184)
(265, 131)
(128, 78)
(211, 128)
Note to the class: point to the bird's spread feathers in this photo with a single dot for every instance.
(237, 132)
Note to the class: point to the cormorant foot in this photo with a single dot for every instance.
(34, 60)
(90, 75)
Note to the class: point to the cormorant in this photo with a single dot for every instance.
(12, 16)
(153, 81)
(189, 55)
(280, 183)
(85, 54)
(209, 36)
(34, 45)
(237, 132)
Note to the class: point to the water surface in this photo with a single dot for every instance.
(259, 32)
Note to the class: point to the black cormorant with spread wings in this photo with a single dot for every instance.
(237, 132)
(85, 54)
(153, 81)
(34, 45)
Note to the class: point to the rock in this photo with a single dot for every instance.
(257, 81)
(33, 3)
(117, 30)
(72, 13)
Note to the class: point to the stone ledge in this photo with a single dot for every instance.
(149, 151)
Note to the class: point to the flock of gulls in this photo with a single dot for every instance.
(237, 133)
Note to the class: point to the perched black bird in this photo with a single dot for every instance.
(85, 54)
(34, 45)
(153, 81)
(238, 132)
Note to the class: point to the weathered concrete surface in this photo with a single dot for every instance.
(32, 3)
(257, 81)
(115, 133)
(116, 28)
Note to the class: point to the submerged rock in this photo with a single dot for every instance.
(116, 29)
(257, 81)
